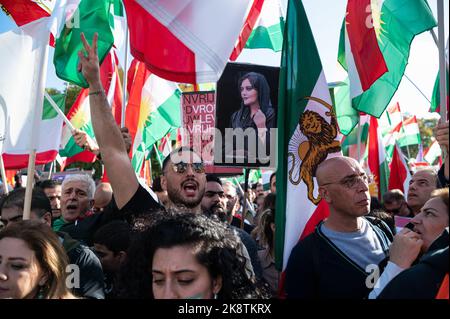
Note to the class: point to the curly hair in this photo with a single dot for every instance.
(218, 249)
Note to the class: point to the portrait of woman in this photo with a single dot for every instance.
(256, 109)
(246, 115)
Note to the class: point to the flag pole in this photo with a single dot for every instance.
(38, 94)
(442, 73)
(157, 155)
(358, 138)
(30, 183)
(245, 208)
(58, 110)
(122, 119)
(3, 172)
(51, 170)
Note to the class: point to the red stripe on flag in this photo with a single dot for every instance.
(368, 58)
(23, 11)
(247, 29)
(18, 161)
(141, 74)
(373, 157)
(320, 213)
(85, 157)
(164, 55)
(398, 172)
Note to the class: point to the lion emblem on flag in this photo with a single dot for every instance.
(316, 139)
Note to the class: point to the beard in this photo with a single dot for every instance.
(175, 197)
(219, 212)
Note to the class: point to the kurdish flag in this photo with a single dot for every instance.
(359, 52)
(85, 16)
(396, 23)
(304, 99)
(80, 115)
(153, 110)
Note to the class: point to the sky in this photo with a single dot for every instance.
(325, 18)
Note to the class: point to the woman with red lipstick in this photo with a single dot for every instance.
(32, 262)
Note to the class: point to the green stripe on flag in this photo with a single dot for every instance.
(436, 98)
(71, 148)
(166, 117)
(49, 112)
(267, 37)
(300, 70)
(89, 18)
(401, 20)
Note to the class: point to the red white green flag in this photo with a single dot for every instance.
(304, 98)
(80, 115)
(399, 172)
(153, 110)
(396, 23)
(185, 41)
(26, 11)
(23, 65)
(432, 153)
(377, 159)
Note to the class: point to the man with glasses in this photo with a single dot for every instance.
(347, 252)
(394, 203)
(183, 171)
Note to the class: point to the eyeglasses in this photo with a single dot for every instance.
(181, 167)
(353, 180)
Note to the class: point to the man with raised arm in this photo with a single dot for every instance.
(183, 171)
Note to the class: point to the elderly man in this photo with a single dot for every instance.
(77, 199)
(345, 254)
(421, 185)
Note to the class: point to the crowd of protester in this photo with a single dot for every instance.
(194, 236)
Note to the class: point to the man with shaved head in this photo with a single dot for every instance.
(345, 254)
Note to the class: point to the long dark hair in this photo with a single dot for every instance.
(219, 252)
(259, 83)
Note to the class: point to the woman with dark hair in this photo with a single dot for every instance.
(422, 277)
(256, 109)
(32, 262)
(187, 256)
(267, 255)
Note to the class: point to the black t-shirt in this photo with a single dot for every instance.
(85, 229)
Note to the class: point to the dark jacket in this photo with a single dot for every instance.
(319, 269)
(421, 281)
(91, 273)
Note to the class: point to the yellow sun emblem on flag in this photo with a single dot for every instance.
(377, 19)
(80, 118)
(145, 111)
